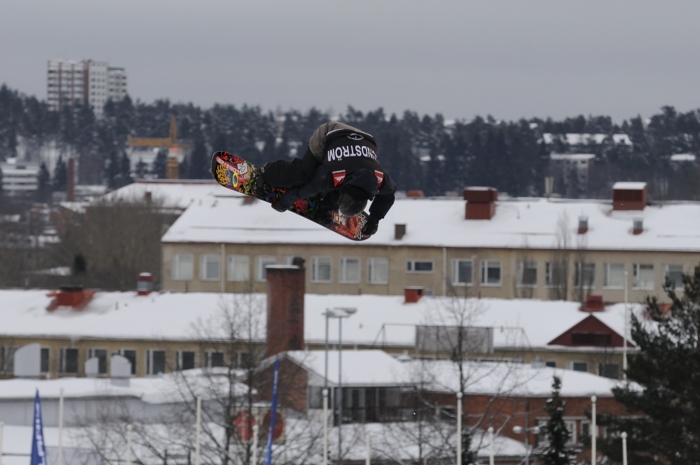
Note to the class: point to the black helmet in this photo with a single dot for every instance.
(350, 206)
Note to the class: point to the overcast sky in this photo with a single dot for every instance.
(510, 59)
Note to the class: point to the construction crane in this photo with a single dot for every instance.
(169, 142)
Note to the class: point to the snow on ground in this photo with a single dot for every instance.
(17, 445)
(379, 321)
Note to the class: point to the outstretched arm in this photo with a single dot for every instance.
(383, 200)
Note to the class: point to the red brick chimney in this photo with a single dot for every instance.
(412, 294)
(481, 203)
(70, 182)
(285, 307)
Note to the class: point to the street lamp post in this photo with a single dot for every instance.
(624, 448)
(624, 339)
(527, 431)
(594, 432)
(339, 313)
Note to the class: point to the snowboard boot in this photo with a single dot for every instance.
(261, 188)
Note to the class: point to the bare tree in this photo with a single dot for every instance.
(584, 272)
(114, 241)
(232, 389)
(452, 334)
(558, 267)
(525, 278)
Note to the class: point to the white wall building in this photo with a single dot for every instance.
(116, 84)
(19, 177)
(86, 81)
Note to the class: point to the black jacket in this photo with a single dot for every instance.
(346, 152)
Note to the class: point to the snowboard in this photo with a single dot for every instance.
(237, 174)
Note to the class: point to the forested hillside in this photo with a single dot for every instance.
(420, 151)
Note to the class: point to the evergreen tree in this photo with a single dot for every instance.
(44, 181)
(160, 163)
(198, 165)
(555, 450)
(140, 169)
(662, 396)
(60, 175)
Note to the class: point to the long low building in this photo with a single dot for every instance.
(510, 248)
(167, 331)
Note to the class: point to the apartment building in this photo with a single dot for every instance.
(89, 82)
(509, 248)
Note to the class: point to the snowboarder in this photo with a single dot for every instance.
(340, 163)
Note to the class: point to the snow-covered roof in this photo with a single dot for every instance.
(585, 139)
(632, 186)
(153, 390)
(179, 193)
(360, 367)
(509, 379)
(377, 368)
(683, 157)
(379, 320)
(517, 223)
(572, 156)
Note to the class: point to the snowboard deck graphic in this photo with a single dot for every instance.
(239, 175)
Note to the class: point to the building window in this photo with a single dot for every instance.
(490, 273)
(130, 355)
(68, 360)
(571, 426)
(643, 276)
(550, 363)
(585, 429)
(584, 275)
(263, 262)
(554, 274)
(182, 267)
(349, 270)
(45, 368)
(609, 370)
(674, 273)
(209, 267)
(155, 362)
(7, 359)
(245, 360)
(214, 359)
(462, 272)
(320, 270)
(577, 366)
(527, 274)
(238, 268)
(614, 276)
(184, 360)
(101, 356)
(419, 266)
(378, 270)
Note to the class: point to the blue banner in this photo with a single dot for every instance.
(273, 414)
(38, 449)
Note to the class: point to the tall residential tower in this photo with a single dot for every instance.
(86, 81)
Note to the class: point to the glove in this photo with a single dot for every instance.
(278, 206)
(370, 227)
